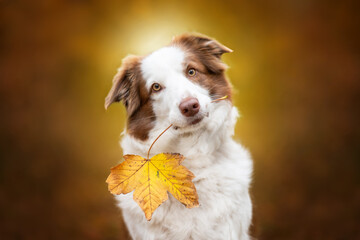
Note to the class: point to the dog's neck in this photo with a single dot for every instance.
(204, 144)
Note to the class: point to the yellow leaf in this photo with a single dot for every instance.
(152, 179)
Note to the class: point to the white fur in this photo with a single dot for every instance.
(222, 167)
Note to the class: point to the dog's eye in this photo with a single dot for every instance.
(156, 87)
(191, 72)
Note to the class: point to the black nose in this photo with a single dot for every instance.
(189, 106)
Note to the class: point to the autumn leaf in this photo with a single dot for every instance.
(152, 179)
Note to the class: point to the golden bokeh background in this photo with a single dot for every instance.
(295, 69)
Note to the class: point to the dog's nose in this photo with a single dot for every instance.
(189, 106)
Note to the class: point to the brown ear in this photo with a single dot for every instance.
(124, 86)
(202, 43)
(207, 50)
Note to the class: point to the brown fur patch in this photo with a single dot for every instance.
(143, 120)
(204, 55)
(129, 87)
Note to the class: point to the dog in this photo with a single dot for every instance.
(176, 85)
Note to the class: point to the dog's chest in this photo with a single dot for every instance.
(222, 179)
(219, 190)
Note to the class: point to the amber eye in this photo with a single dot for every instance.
(191, 72)
(156, 87)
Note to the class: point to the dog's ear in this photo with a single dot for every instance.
(212, 46)
(202, 43)
(125, 85)
(208, 50)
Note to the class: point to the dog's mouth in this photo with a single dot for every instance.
(196, 121)
(191, 123)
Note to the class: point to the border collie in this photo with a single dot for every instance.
(176, 85)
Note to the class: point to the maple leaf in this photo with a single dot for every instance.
(152, 179)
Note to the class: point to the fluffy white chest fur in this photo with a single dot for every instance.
(176, 84)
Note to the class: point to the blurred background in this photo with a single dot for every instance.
(295, 69)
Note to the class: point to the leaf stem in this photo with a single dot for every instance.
(157, 139)
(219, 99)
(148, 154)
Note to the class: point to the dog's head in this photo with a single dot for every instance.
(174, 84)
